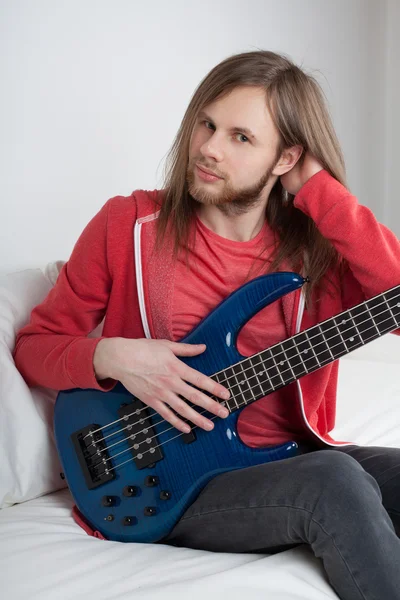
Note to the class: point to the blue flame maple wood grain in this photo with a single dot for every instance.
(185, 468)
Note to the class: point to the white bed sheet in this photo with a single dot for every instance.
(45, 555)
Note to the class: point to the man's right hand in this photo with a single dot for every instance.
(151, 371)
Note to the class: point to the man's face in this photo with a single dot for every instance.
(244, 163)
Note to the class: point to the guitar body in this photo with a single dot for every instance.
(142, 499)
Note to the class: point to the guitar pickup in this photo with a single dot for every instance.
(140, 433)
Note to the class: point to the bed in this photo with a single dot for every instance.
(45, 555)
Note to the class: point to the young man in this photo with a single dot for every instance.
(256, 183)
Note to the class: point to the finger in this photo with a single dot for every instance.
(187, 411)
(197, 397)
(181, 349)
(202, 381)
(170, 416)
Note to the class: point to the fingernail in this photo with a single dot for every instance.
(224, 412)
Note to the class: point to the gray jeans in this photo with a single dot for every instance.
(343, 502)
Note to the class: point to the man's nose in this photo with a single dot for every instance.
(212, 148)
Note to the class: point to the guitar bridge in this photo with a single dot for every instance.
(93, 457)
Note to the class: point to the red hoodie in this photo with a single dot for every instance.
(112, 273)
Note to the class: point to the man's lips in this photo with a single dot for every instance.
(208, 171)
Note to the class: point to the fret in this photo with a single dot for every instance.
(360, 339)
(326, 355)
(223, 379)
(275, 364)
(380, 311)
(233, 384)
(244, 392)
(351, 332)
(359, 335)
(312, 346)
(256, 385)
(343, 324)
(220, 378)
(246, 375)
(392, 298)
(261, 369)
(306, 352)
(282, 364)
(319, 345)
(296, 360)
(287, 361)
(348, 331)
(333, 337)
(372, 318)
(272, 368)
(364, 322)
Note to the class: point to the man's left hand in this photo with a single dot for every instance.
(302, 171)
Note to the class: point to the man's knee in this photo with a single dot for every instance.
(339, 478)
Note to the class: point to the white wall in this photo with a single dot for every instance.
(93, 92)
(392, 115)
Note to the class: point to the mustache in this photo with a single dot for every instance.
(211, 168)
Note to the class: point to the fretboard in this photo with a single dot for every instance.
(261, 374)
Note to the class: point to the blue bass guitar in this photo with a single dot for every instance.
(133, 475)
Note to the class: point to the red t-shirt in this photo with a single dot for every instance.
(218, 267)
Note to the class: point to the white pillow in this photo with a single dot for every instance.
(29, 461)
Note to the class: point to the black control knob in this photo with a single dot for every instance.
(151, 481)
(165, 495)
(130, 490)
(129, 521)
(150, 511)
(109, 500)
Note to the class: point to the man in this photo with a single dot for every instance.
(256, 183)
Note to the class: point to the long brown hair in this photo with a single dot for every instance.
(297, 105)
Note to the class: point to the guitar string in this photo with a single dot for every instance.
(233, 396)
(137, 411)
(165, 431)
(107, 470)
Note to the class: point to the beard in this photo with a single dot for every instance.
(229, 201)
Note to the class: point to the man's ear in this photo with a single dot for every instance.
(287, 160)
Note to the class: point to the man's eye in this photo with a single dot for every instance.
(246, 139)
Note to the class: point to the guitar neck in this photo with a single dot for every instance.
(261, 374)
